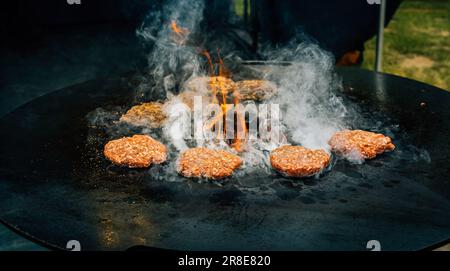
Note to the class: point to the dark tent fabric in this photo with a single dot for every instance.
(338, 26)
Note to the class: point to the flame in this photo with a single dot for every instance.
(211, 65)
(223, 71)
(176, 29)
(238, 143)
(211, 73)
(180, 32)
(218, 86)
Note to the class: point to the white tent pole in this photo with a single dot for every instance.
(379, 47)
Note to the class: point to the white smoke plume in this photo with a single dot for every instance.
(312, 110)
(172, 60)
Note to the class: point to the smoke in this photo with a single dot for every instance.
(171, 60)
(312, 110)
(177, 126)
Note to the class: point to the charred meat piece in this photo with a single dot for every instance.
(358, 144)
(207, 163)
(255, 90)
(147, 114)
(297, 161)
(138, 151)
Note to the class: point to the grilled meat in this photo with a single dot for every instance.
(138, 151)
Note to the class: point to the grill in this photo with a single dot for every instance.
(56, 186)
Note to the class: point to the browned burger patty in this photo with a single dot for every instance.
(255, 90)
(220, 83)
(296, 161)
(358, 143)
(187, 97)
(207, 163)
(138, 151)
(204, 84)
(206, 87)
(146, 114)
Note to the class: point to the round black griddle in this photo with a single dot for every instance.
(55, 186)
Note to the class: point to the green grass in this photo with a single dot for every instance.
(417, 43)
(239, 7)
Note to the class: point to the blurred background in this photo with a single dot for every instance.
(49, 45)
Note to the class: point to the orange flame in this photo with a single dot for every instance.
(176, 29)
(223, 71)
(180, 32)
(211, 65)
(238, 143)
(217, 84)
(218, 87)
